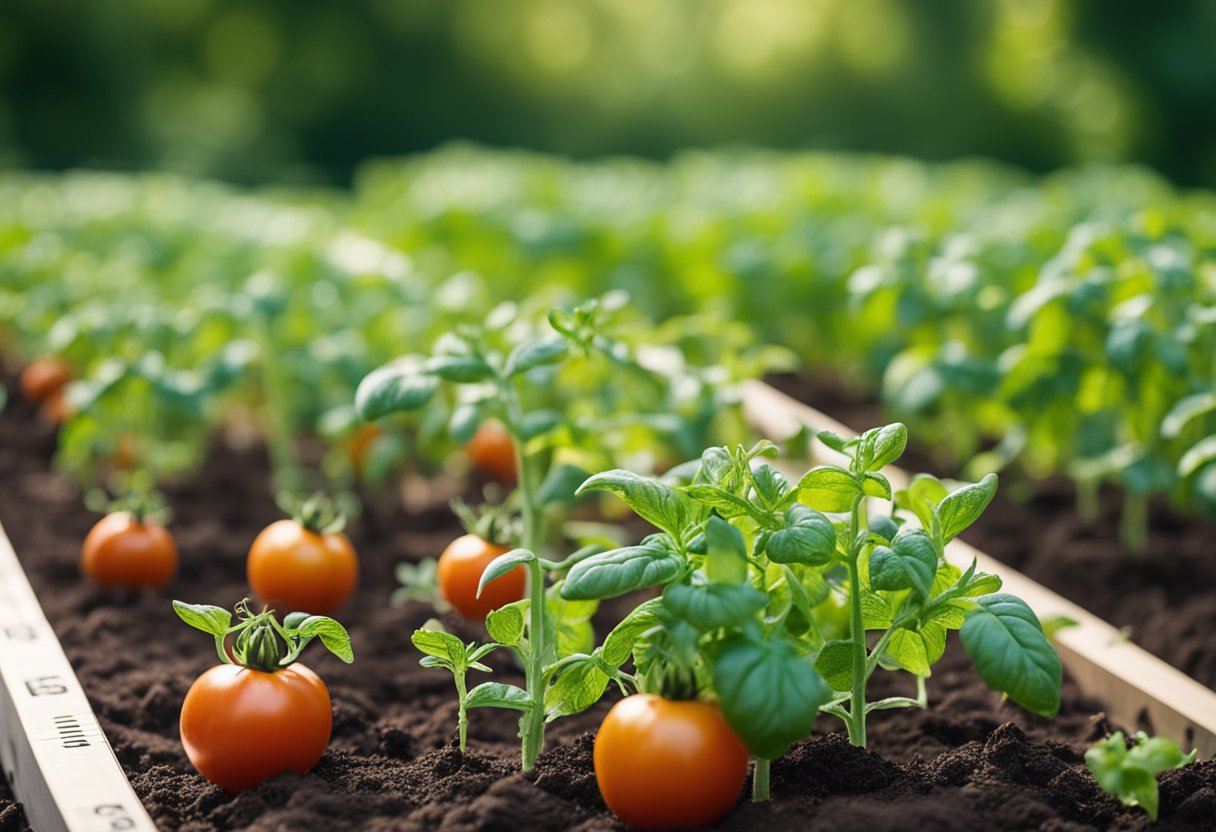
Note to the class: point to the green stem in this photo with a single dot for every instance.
(761, 780)
(462, 695)
(857, 708)
(532, 723)
(1087, 498)
(1133, 522)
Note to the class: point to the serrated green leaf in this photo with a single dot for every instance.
(618, 571)
(576, 689)
(210, 619)
(808, 537)
(714, 605)
(916, 650)
(332, 634)
(619, 644)
(876, 612)
(506, 624)
(440, 645)
(1012, 653)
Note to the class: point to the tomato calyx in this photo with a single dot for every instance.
(318, 513)
(494, 523)
(139, 500)
(259, 640)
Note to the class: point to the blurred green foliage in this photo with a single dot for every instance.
(303, 90)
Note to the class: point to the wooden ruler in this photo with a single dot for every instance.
(52, 750)
(1140, 690)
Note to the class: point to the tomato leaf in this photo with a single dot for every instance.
(619, 644)
(910, 562)
(577, 688)
(1131, 774)
(724, 502)
(880, 447)
(963, 506)
(714, 605)
(808, 537)
(393, 388)
(332, 634)
(506, 624)
(829, 489)
(498, 695)
(536, 353)
(725, 552)
(440, 645)
(205, 617)
(463, 369)
(835, 664)
(618, 571)
(503, 564)
(768, 693)
(650, 499)
(1012, 653)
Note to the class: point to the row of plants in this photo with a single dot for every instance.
(1068, 317)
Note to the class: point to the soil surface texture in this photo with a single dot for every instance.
(1164, 598)
(968, 761)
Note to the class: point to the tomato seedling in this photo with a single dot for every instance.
(261, 712)
(130, 547)
(442, 649)
(305, 562)
(1130, 774)
(750, 564)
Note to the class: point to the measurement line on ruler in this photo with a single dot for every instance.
(55, 755)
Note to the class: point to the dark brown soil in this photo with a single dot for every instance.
(1165, 598)
(966, 762)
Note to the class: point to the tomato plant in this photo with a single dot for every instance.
(260, 712)
(304, 562)
(1130, 772)
(664, 764)
(130, 547)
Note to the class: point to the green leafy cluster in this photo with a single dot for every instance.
(1130, 773)
(259, 640)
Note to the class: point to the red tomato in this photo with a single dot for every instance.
(121, 551)
(297, 570)
(459, 572)
(241, 726)
(44, 376)
(492, 451)
(664, 764)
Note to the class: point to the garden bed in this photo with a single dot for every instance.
(968, 759)
(1165, 598)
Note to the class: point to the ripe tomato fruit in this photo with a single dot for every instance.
(664, 764)
(123, 551)
(492, 451)
(241, 726)
(44, 376)
(293, 568)
(459, 572)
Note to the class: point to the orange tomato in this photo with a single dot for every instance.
(492, 451)
(44, 376)
(241, 726)
(55, 408)
(122, 551)
(297, 570)
(459, 572)
(664, 764)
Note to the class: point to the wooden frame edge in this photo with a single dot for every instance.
(1141, 690)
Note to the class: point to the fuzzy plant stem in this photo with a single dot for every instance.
(761, 780)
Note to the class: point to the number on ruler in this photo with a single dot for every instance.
(19, 632)
(117, 814)
(46, 686)
(71, 735)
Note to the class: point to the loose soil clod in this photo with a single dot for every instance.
(966, 762)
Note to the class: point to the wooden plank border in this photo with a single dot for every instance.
(52, 749)
(1140, 690)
